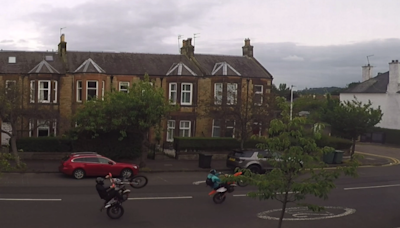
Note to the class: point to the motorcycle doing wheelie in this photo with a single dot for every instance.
(219, 195)
(114, 207)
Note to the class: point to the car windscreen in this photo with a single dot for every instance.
(243, 154)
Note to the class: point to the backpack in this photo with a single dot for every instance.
(209, 182)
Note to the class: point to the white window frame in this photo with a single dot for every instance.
(32, 91)
(87, 88)
(48, 91)
(190, 92)
(172, 99)
(55, 127)
(170, 130)
(213, 129)
(12, 59)
(231, 127)
(218, 93)
(55, 91)
(102, 89)
(79, 89)
(8, 84)
(43, 127)
(123, 90)
(30, 127)
(259, 93)
(189, 129)
(230, 94)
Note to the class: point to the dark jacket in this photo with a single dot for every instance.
(103, 191)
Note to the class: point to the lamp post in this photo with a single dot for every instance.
(291, 102)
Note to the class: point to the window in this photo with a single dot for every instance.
(33, 92)
(10, 84)
(184, 128)
(54, 86)
(102, 90)
(43, 128)
(91, 90)
(229, 128)
(12, 59)
(44, 92)
(231, 89)
(186, 93)
(257, 129)
(124, 87)
(79, 91)
(104, 161)
(258, 94)
(218, 90)
(172, 93)
(216, 128)
(49, 58)
(170, 130)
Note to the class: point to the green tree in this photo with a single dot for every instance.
(5, 159)
(14, 111)
(292, 151)
(140, 109)
(351, 118)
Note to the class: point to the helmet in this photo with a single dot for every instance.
(213, 171)
(100, 180)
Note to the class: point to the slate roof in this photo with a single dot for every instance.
(376, 84)
(114, 63)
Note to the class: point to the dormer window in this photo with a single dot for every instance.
(49, 58)
(12, 59)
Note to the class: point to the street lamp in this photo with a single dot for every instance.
(291, 102)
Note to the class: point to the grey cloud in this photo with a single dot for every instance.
(6, 41)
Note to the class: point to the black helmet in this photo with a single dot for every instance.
(100, 180)
(213, 171)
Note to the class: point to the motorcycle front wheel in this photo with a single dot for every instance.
(138, 181)
(242, 183)
(219, 198)
(115, 212)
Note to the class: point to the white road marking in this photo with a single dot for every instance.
(16, 199)
(378, 186)
(161, 198)
(241, 195)
(198, 182)
(302, 213)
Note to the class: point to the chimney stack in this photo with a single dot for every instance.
(247, 48)
(62, 46)
(394, 77)
(187, 48)
(366, 72)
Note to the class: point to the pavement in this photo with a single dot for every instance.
(171, 200)
(377, 156)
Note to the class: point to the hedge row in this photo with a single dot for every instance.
(107, 144)
(215, 144)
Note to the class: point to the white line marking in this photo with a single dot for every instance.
(241, 195)
(378, 186)
(198, 182)
(160, 198)
(14, 199)
(304, 216)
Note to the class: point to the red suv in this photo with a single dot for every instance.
(84, 164)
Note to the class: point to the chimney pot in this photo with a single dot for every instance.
(247, 48)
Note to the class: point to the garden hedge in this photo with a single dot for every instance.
(44, 144)
(211, 144)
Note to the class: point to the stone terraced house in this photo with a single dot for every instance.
(64, 80)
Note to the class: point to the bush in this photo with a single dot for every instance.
(214, 144)
(44, 144)
(335, 142)
(109, 144)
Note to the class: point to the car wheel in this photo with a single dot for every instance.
(79, 174)
(255, 168)
(126, 173)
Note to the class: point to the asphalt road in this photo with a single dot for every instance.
(171, 200)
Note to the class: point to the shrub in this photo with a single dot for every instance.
(335, 142)
(215, 144)
(44, 144)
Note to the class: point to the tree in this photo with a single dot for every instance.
(351, 118)
(5, 162)
(283, 91)
(290, 146)
(245, 114)
(138, 110)
(14, 111)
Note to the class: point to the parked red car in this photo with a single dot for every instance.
(84, 164)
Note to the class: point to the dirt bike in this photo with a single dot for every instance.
(219, 195)
(114, 208)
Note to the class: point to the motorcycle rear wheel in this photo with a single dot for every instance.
(219, 198)
(138, 181)
(115, 211)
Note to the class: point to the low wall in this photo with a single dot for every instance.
(217, 155)
(43, 155)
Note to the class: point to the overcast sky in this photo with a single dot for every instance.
(307, 43)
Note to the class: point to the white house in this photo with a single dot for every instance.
(382, 90)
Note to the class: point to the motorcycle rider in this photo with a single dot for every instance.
(106, 193)
(213, 179)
